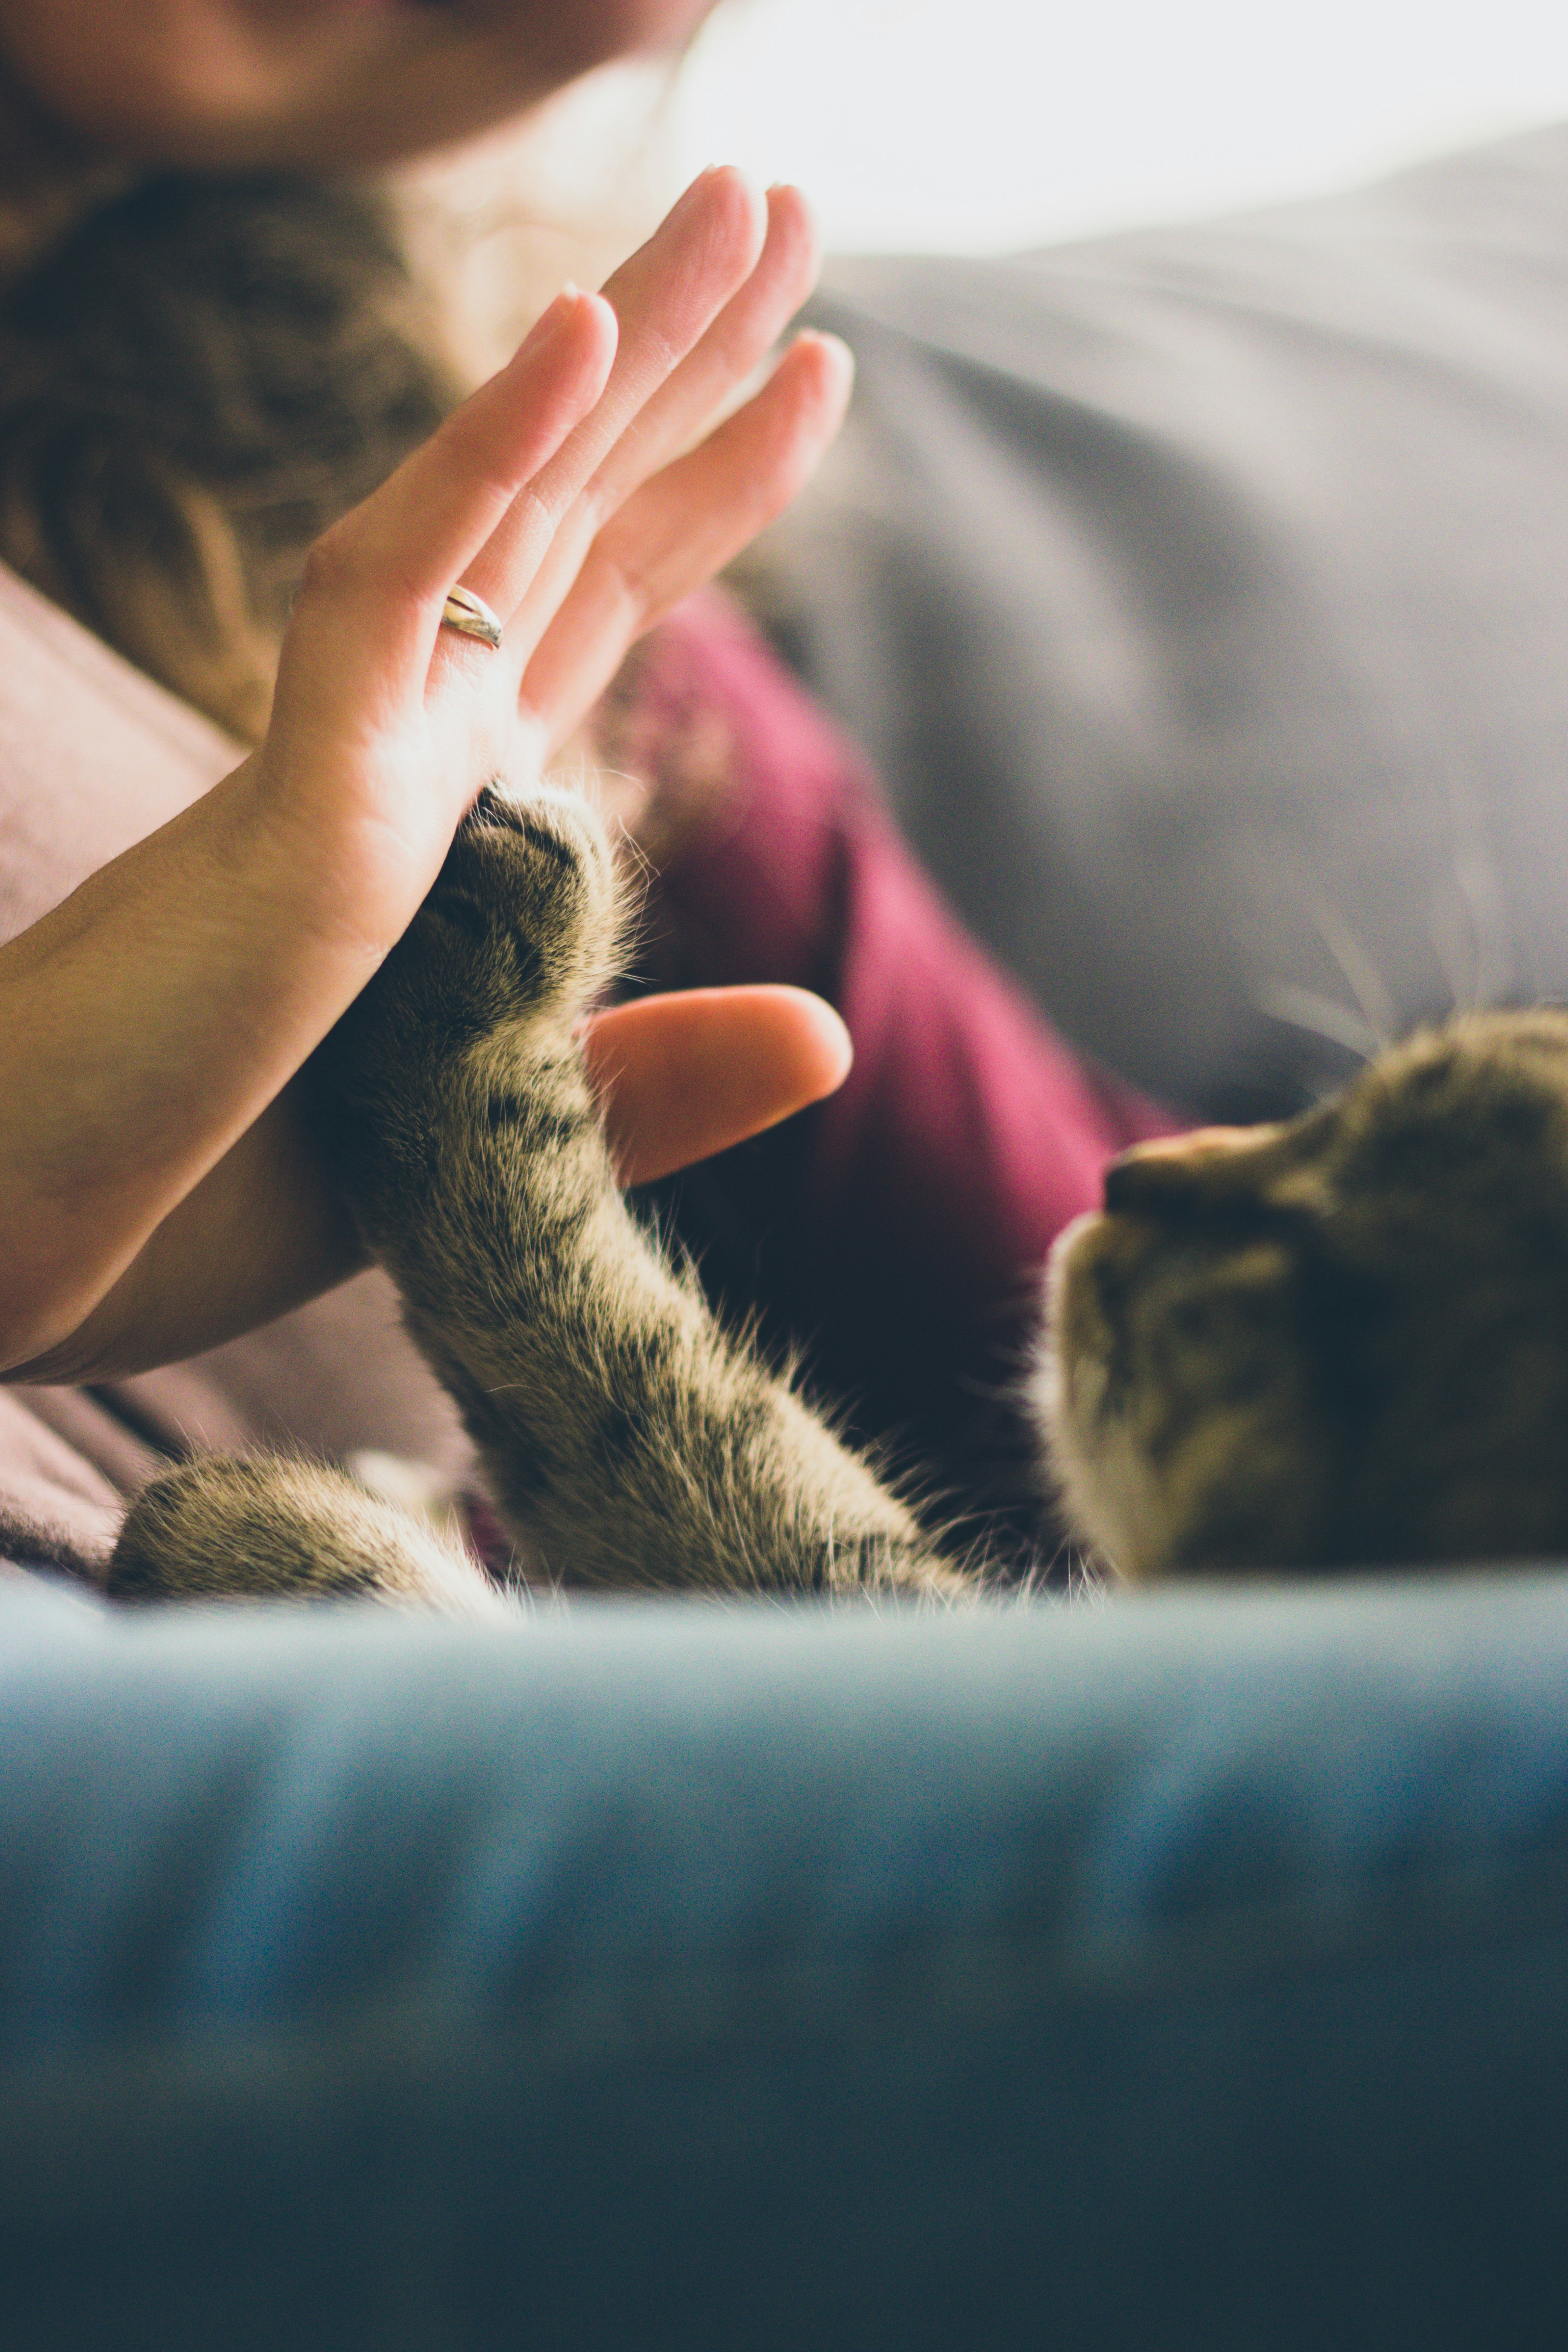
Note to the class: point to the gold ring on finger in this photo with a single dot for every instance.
(470, 616)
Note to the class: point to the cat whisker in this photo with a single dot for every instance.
(1379, 1013)
(1320, 1016)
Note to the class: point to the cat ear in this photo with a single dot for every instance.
(1175, 1169)
(1216, 1166)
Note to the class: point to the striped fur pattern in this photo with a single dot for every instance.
(626, 1439)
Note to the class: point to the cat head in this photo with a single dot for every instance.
(1336, 1342)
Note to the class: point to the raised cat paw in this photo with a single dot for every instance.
(523, 917)
(521, 920)
(621, 1433)
(474, 1010)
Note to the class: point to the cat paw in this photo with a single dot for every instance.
(524, 916)
(262, 1527)
(519, 933)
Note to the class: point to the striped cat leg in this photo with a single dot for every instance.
(634, 1442)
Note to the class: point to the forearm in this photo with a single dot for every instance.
(145, 1026)
(262, 1232)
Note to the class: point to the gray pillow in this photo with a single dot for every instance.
(1204, 596)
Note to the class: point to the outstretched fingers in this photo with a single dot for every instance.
(370, 604)
(684, 526)
(667, 298)
(733, 347)
(509, 495)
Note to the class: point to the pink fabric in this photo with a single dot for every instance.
(898, 1231)
(93, 756)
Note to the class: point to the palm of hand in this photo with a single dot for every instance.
(559, 494)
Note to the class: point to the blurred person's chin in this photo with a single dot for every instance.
(312, 84)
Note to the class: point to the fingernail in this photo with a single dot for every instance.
(549, 323)
(708, 171)
(829, 341)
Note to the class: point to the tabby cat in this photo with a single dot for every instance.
(1340, 1340)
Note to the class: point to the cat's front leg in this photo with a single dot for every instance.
(631, 1440)
(260, 1527)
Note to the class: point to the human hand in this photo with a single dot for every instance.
(558, 493)
(156, 1201)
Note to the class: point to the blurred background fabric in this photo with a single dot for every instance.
(1201, 593)
(917, 127)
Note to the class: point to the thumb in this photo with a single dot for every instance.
(686, 1076)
